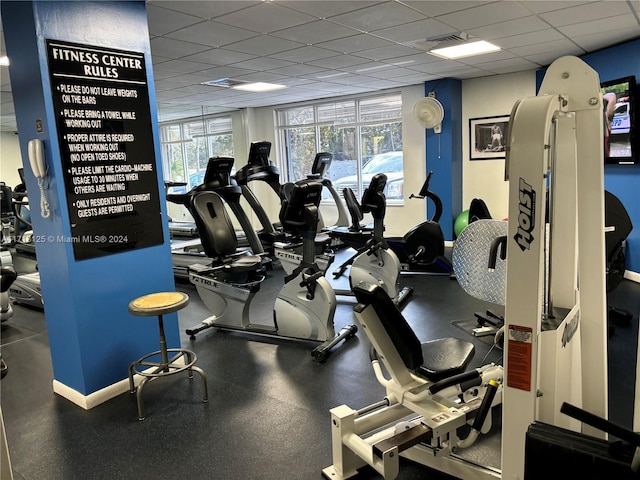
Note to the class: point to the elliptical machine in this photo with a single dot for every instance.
(217, 178)
(374, 262)
(420, 250)
(305, 306)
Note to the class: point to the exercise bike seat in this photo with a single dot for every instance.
(433, 360)
(218, 237)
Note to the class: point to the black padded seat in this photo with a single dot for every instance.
(218, 237)
(432, 360)
(445, 357)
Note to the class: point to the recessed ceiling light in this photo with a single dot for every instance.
(465, 50)
(258, 87)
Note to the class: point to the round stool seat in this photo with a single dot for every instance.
(147, 367)
(158, 304)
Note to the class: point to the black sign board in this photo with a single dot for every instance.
(101, 102)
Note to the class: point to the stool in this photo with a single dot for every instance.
(149, 306)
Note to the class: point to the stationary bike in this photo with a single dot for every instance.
(374, 262)
(421, 249)
(305, 306)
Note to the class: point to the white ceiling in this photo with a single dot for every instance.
(328, 48)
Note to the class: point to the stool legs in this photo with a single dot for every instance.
(166, 366)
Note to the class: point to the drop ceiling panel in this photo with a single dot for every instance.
(263, 63)
(488, 14)
(315, 32)
(211, 33)
(204, 9)
(416, 30)
(338, 61)
(179, 66)
(603, 25)
(541, 6)
(586, 13)
(436, 8)
(168, 47)
(162, 21)
(266, 18)
(517, 26)
(384, 53)
(264, 45)
(304, 54)
(376, 17)
(219, 56)
(326, 9)
(532, 38)
(355, 43)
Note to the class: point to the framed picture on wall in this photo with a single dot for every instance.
(488, 137)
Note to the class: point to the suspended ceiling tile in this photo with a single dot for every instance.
(264, 45)
(375, 17)
(204, 9)
(266, 18)
(219, 56)
(263, 63)
(487, 14)
(338, 61)
(304, 54)
(586, 13)
(179, 66)
(530, 38)
(592, 42)
(436, 8)
(507, 66)
(170, 48)
(517, 26)
(413, 31)
(163, 21)
(225, 71)
(387, 52)
(562, 44)
(603, 25)
(354, 43)
(211, 33)
(315, 32)
(295, 70)
(541, 6)
(324, 8)
(487, 57)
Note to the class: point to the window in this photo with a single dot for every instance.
(187, 146)
(364, 135)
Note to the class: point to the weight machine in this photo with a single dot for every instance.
(555, 319)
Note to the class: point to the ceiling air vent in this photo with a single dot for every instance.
(224, 82)
(441, 41)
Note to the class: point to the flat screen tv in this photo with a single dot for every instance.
(620, 136)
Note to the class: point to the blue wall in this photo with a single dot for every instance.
(444, 152)
(92, 336)
(621, 180)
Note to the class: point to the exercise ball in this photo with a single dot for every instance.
(461, 222)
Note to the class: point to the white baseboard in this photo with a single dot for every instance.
(100, 396)
(633, 276)
(93, 399)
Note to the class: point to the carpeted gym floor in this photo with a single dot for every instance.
(268, 414)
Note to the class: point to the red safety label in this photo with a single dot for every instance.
(520, 343)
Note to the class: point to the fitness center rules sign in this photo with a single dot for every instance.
(101, 102)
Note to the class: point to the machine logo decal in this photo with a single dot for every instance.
(526, 216)
(570, 329)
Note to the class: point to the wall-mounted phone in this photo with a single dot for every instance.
(39, 168)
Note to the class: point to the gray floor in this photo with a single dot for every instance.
(268, 415)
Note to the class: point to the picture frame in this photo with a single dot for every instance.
(488, 137)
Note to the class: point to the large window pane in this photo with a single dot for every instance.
(381, 108)
(301, 149)
(375, 133)
(338, 112)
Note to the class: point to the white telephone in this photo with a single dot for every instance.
(39, 168)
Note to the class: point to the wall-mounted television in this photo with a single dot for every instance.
(621, 135)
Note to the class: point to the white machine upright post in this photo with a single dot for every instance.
(555, 316)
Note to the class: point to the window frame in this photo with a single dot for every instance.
(357, 124)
